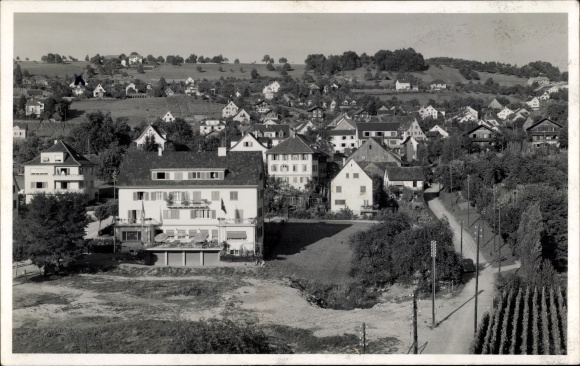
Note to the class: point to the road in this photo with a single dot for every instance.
(92, 229)
(455, 317)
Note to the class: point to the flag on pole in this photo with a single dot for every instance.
(223, 206)
(142, 211)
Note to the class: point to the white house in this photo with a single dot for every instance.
(352, 188)
(189, 81)
(181, 206)
(132, 87)
(268, 93)
(212, 125)
(412, 128)
(242, 116)
(504, 113)
(302, 128)
(275, 86)
(439, 130)
(168, 117)
(544, 96)
(59, 169)
(343, 139)
(135, 59)
(438, 84)
(99, 91)
(430, 111)
(403, 84)
(19, 132)
(158, 135)
(34, 108)
(297, 162)
(275, 133)
(269, 122)
(542, 80)
(534, 103)
(231, 109)
(249, 143)
(410, 177)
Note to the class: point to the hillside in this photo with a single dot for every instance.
(51, 70)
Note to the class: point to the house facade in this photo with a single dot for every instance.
(242, 116)
(438, 85)
(352, 188)
(403, 85)
(59, 169)
(249, 143)
(343, 139)
(410, 177)
(388, 132)
(99, 92)
(34, 108)
(316, 114)
(444, 134)
(534, 104)
(168, 117)
(276, 133)
(430, 112)
(542, 80)
(158, 135)
(414, 130)
(373, 151)
(543, 132)
(481, 135)
(268, 93)
(505, 113)
(495, 105)
(231, 109)
(181, 207)
(296, 162)
(19, 132)
(212, 125)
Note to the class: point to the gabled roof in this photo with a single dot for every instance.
(72, 157)
(528, 123)
(405, 173)
(249, 136)
(158, 130)
(371, 167)
(293, 145)
(437, 81)
(270, 128)
(341, 132)
(404, 80)
(480, 127)
(79, 80)
(314, 108)
(540, 121)
(241, 167)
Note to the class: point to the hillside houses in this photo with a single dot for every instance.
(439, 131)
(388, 132)
(374, 151)
(168, 117)
(250, 143)
(402, 84)
(409, 177)
(505, 113)
(534, 103)
(230, 110)
(481, 135)
(19, 132)
(99, 92)
(242, 116)
(212, 125)
(495, 105)
(431, 112)
(544, 96)
(352, 188)
(342, 140)
(275, 133)
(316, 114)
(34, 108)
(468, 114)
(155, 134)
(542, 80)
(544, 132)
(437, 84)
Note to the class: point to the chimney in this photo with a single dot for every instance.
(222, 151)
(55, 142)
(160, 151)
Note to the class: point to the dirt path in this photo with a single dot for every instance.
(456, 317)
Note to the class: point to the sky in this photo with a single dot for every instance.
(509, 38)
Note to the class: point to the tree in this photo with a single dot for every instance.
(110, 160)
(270, 67)
(254, 74)
(266, 58)
(160, 60)
(529, 240)
(17, 75)
(199, 69)
(236, 61)
(192, 59)
(140, 69)
(149, 144)
(53, 230)
(87, 58)
(564, 137)
(101, 213)
(282, 60)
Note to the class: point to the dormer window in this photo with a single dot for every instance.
(45, 158)
(159, 175)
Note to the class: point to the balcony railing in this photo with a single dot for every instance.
(251, 221)
(184, 243)
(203, 203)
(369, 208)
(136, 222)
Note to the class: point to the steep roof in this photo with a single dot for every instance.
(79, 80)
(341, 132)
(249, 136)
(479, 127)
(270, 128)
(72, 157)
(405, 173)
(242, 167)
(293, 145)
(437, 81)
(160, 131)
(540, 121)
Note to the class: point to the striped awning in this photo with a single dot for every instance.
(236, 235)
(180, 232)
(170, 232)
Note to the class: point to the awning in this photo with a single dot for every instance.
(161, 237)
(192, 232)
(180, 232)
(236, 235)
(170, 232)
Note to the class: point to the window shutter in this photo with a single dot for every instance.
(176, 214)
(213, 214)
(146, 196)
(31, 184)
(164, 195)
(165, 214)
(134, 196)
(129, 214)
(214, 234)
(220, 175)
(192, 214)
(190, 175)
(196, 196)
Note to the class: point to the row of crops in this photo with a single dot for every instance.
(183, 106)
(526, 321)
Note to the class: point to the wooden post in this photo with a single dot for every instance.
(415, 342)
(476, 285)
(462, 235)
(433, 254)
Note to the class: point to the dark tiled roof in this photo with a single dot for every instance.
(79, 80)
(72, 157)
(530, 126)
(314, 108)
(405, 174)
(479, 127)
(293, 145)
(270, 128)
(341, 132)
(242, 167)
(438, 81)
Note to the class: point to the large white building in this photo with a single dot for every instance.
(59, 169)
(352, 188)
(197, 200)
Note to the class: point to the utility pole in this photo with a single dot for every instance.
(363, 338)
(433, 254)
(461, 237)
(499, 218)
(451, 178)
(415, 342)
(114, 201)
(476, 283)
(494, 208)
(468, 204)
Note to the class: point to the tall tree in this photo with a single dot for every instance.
(529, 240)
(101, 213)
(282, 60)
(18, 75)
(266, 58)
(54, 227)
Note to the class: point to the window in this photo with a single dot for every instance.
(259, 211)
(159, 175)
(274, 156)
(304, 168)
(196, 196)
(355, 175)
(363, 189)
(233, 195)
(63, 185)
(295, 157)
(177, 196)
(248, 144)
(39, 185)
(274, 168)
(284, 157)
(284, 168)
(315, 168)
(347, 175)
(367, 134)
(294, 168)
(295, 180)
(171, 214)
(178, 176)
(200, 214)
(414, 183)
(340, 202)
(338, 189)
(393, 134)
(45, 159)
(379, 133)
(131, 236)
(344, 137)
(138, 196)
(343, 145)
(304, 156)
(215, 195)
(158, 196)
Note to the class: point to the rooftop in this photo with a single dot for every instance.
(293, 145)
(72, 157)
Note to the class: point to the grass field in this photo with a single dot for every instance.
(143, 109)
(39, 68)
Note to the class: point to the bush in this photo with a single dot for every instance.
(240, 258)
(336, 296)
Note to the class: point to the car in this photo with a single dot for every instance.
(468, 265)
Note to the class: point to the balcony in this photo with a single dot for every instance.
(68, 177)
(188, 203)
(135, 222)
(68, 190)
(369, 208)
(235, 222)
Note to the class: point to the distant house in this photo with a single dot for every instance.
(521, 113)
(540, 80)
(468, 115)
(275, 86)
(534, 103)
(269, 122)
(553, 89)
(169, 92)
(168, 117)
(408, 148)
(34, 108)
(410, 177)
(343, 122)
(411, 128)
(352, 188)
(270, 115)
(99, 92)
(388, 132)
(212, 125)
(268, 93)
(430, 112)
(403, 84)
(505, 113)
(302, 128)
(276, 133)
(189, 81)
(543, 132)
(262, 107)
(156, 133)
(440, 131)
(249, 142)
(495, 105)
(242, 116)
(438, 84)
(231, 109)
(313, 88)
(19, 132)
(544, 96)
(316, 113)
(135, 59)
(343, 139)
(131, 88)
(383, 110)
(373, 150)
(481, 135)
(79, 91)
(78, 81)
